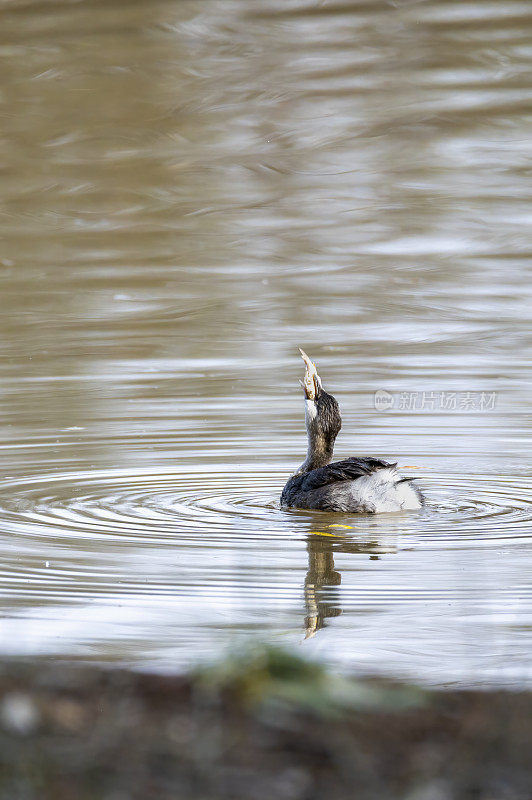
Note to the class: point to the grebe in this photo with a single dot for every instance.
(363, 485)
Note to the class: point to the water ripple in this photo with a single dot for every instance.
(147, 506)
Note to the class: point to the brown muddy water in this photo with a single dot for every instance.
(192, 190)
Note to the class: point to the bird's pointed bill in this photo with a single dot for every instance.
(311, 382)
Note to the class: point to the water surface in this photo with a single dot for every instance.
(192, 190)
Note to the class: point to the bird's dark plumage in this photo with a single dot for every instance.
(305, 487)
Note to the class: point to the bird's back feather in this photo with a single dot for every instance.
(354, 484)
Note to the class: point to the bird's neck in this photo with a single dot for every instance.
(319, 454)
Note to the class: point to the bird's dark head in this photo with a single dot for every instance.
(322, 412)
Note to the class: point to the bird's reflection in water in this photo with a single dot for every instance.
(322, 598)
(321, 573)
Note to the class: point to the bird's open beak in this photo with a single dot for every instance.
(311, 383)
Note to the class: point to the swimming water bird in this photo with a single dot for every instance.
(363, 485)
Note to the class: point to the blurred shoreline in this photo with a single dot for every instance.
(272, 727)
